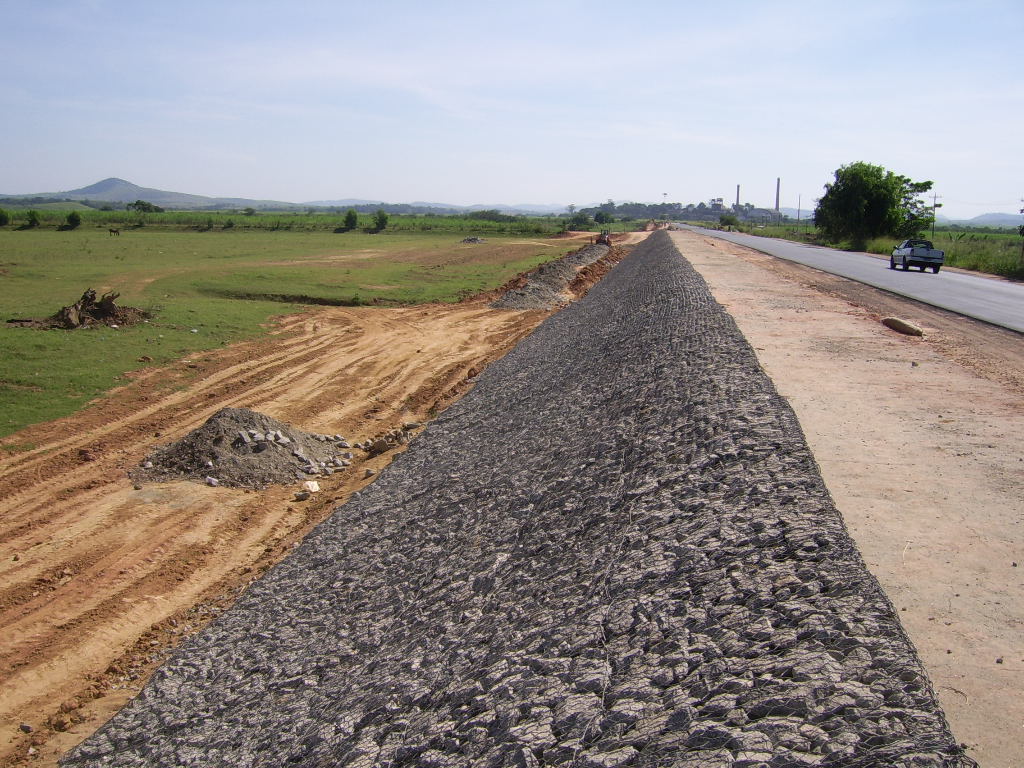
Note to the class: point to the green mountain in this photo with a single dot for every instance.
(120, 191)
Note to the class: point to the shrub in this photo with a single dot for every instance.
(867, 201)
(579, 222)
(74, 220)
(5, 218)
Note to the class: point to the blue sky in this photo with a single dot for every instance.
(531, 102)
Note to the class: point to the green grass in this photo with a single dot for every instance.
(52, 215)
(994, 252)
(207, 289)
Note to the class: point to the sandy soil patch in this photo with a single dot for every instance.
(99, 580)
(918, 440)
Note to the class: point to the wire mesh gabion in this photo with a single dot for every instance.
(617, 550)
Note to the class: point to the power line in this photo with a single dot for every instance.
(974, 202)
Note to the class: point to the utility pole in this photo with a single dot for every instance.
(935, 205)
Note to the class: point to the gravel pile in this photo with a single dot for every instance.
(545, 287)
(616, 550)
(245, 449)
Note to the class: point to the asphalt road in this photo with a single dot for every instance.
(994, 301)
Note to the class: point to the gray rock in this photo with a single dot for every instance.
(574, 536)
(612, 759)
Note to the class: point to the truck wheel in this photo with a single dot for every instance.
(935, 270)
(892, 263)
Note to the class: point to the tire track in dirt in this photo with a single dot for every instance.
(617, 550)
(98, 562)
(98, 580)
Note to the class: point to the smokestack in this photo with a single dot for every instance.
(737, 197)
(778, 186)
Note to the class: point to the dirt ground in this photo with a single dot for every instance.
(918, 440)
(99, 580)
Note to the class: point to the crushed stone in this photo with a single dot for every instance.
(546, 286)
(616, 550)
(241, 448)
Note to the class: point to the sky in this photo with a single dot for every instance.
(527, 102)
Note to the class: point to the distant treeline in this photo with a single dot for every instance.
(610, 211)
(331, 220)
(396, 208)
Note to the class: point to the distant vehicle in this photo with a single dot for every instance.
(604, 238)
(917, 253)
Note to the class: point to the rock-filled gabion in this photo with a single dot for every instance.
(615, 551)
(546, 287)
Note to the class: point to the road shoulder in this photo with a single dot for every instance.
(918, 442)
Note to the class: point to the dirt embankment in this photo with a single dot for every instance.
(98, 579)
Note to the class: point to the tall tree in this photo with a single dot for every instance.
(868, 201)
(143, 206)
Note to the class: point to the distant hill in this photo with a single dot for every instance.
(421, 206)
(984, 220)
(995, 220)
(348, 202)
(114, 190)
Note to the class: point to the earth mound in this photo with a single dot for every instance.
(547, 286)
(241, 448)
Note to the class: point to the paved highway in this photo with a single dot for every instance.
(999, 302)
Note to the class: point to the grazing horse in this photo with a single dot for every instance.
(114, 232)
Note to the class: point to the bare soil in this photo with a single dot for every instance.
(918, 440)
(99, 580)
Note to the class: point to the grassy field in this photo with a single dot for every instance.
(207, 289)
(996, 253)
(53, 215)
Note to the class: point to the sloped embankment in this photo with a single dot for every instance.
(547, 287)
(616, 550)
